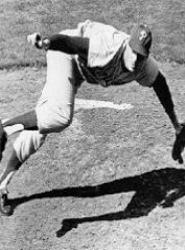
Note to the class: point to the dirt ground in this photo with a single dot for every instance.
(107, 182)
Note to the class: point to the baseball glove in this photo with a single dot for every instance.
(179, 145)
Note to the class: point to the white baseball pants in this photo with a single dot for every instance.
(55, 107)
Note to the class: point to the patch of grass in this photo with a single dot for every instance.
(21, 17)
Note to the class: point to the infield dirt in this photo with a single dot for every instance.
(108, 182)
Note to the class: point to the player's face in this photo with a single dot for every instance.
(130, 58)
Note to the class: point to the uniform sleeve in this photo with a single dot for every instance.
(69, 44)
(148, 73)
(164, 95)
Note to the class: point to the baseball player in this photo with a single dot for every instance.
(93, 52)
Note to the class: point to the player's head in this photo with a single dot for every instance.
(141, 39)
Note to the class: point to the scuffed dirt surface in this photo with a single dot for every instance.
(102, 182)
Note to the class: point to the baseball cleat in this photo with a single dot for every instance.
(3, 140)
(5, 208)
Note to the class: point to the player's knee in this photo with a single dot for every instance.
(69, 119)
(65, 121)
(53, 117)
(57, 125)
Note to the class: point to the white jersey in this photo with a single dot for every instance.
(105, 57)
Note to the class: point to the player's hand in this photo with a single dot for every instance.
(35, 39)
(179, 145)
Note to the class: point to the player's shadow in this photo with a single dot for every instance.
(158, 187)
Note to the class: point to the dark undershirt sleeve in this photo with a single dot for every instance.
(69, 44)
(163, 93)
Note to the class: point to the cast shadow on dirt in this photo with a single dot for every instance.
(158, 187)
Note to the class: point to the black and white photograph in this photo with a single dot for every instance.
(92, 125)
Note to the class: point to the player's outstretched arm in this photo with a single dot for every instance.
(163, 93)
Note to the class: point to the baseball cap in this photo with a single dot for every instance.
(141, 39)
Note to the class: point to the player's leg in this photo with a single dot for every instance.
(27, 143)
(56, 102)
(53, 113)
(26, 121)
(55, 107)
